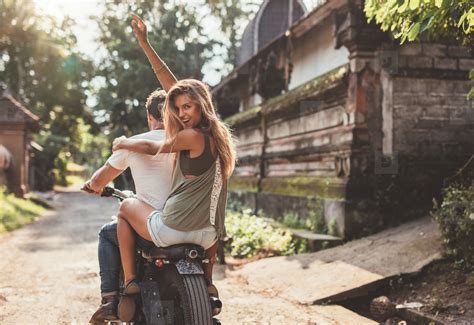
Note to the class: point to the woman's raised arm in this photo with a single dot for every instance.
(162, 72)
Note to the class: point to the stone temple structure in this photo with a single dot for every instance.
(338, 122)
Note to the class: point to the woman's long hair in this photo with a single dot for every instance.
(199, 93)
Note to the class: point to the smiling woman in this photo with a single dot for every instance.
(205, 157)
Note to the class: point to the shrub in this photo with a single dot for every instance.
(252, 235)
(15, 212)
(292, 220)
(455, 217)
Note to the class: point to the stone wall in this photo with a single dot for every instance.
(315, 54)
(367, 145)
(428, 124)
(292, 148)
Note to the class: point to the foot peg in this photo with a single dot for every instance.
(216, 306)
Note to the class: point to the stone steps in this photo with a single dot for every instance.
(316, 242)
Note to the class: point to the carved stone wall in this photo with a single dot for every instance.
(368, 144)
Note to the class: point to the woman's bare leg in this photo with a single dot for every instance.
(132, 216)
(126, 238)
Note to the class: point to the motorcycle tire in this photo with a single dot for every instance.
(185, 298)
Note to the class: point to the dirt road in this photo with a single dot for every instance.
(49, 272)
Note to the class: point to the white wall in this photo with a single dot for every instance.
(314, 54)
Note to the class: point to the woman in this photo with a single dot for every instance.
(205, 159)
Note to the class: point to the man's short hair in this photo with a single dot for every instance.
(154, 104)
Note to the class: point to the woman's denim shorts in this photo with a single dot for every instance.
(164, 236)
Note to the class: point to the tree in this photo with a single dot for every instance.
(42, 68)
(175, 31)
(232, 14)
(411, 19)
(452, 20)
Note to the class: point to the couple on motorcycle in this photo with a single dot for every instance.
(189, 142)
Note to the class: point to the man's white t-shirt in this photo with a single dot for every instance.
(152, 174)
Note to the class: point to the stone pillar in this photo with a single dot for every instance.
(364, 113)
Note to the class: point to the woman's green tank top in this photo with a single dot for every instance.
(198, 202)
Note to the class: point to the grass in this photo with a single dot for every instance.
(74, 168)
(15, 212)
(74, 180)
(251, 235)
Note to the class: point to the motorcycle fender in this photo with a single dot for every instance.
(188, 267)
(152, 305)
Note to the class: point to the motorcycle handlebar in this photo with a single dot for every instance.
(110, 191)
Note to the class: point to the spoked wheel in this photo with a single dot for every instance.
(185, 299)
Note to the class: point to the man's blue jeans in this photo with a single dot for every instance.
(109, 257)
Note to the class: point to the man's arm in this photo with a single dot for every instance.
(101, 178)
(162, 72)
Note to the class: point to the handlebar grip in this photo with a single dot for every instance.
(107, 191)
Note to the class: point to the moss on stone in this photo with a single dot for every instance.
(283, 101)
(307, 186)
(315, 85)
(244, 116)
(246, 184)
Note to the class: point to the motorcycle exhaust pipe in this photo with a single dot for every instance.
(216, 306)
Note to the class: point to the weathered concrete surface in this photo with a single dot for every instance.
(309, 278)
(337, 315)
(243, 305)
(50, 274)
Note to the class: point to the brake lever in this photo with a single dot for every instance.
(107, 191)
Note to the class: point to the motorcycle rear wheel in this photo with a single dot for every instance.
(185, 298)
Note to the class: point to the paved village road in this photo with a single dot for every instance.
(49, 272)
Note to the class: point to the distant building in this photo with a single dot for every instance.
(16, 126)
(334, 117)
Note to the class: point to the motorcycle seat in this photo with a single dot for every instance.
(174, 252)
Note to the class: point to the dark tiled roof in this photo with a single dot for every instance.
(13, 111)
(247, 50)
(270, 22)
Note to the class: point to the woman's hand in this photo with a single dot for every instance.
(139, 28)
(118, 143)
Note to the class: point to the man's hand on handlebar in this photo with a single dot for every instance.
(87, 188)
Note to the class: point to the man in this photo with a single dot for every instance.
(152, 177)
(109, 255)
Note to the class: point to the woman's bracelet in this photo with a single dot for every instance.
(160, 69)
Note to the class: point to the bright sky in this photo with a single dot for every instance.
(86, 30)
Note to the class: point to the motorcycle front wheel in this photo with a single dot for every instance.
(185, 298)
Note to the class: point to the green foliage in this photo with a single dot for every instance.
(316, 222)
(455, 217)
(292, 220)
(42, 68)
(409, 19)
(332, 228)
(15, 212)
(470, 95)
(175, 31)
(232, 15)
(252, 235)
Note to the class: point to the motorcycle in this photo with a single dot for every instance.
(173, 287)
